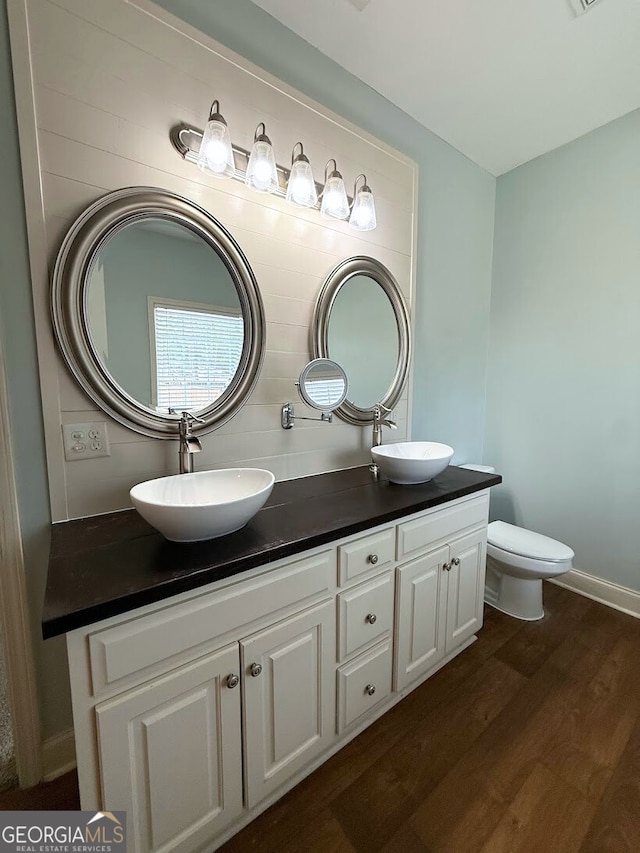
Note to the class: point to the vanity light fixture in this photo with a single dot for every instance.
(216, 154)
(213, 151)
(363, 210)
(301, 188)
(335, 204)
(262, 174)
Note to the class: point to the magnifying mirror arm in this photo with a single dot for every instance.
(288, 417)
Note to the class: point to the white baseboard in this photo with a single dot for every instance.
(58, 755)
(605, 592)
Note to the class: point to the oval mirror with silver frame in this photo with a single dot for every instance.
(323, 385)
(156, 311)
(361, 321)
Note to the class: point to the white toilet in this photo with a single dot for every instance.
(518, 560)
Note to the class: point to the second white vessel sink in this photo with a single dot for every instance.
(410, 462)
(203, 505)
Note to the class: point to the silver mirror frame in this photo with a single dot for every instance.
(337, 278)
(70, 277)
(302, 384)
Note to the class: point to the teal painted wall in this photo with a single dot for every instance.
(563, 401)
(455, 235)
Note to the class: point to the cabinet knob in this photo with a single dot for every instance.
(255, 669)
(446, 567)
(233, 680)
(371, 618)
(455, 561)
(370, 689)
(373, 559)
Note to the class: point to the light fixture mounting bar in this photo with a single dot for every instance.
(186, 140)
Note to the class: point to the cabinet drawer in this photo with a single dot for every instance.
(156, 642)
(365, 614)
(438, 526)
(362, 555)
(356, 680)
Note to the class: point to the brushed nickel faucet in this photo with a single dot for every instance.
(379, 420)
(189, 443)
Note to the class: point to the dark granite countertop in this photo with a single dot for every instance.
(105, 565)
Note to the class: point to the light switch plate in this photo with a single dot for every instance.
(85, 441)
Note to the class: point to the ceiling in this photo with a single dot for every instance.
(503, 81)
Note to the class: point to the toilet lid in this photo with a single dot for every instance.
(526, 543)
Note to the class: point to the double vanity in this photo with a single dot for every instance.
(209, 678)
(210, 675)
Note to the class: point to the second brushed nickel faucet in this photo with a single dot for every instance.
(379, 420)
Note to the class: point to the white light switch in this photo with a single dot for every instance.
(85, 441)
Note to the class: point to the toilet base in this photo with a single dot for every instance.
(518, 597)
(515, 615)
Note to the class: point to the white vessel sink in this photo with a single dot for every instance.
(203, 505)
(409, 462)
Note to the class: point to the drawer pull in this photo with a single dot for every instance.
(455, 561)
(371, 618)
(255, 669)
(373, 559)
(233, 680)
(446, 567)
(370, 689)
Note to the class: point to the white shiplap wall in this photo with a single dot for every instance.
(109, 78)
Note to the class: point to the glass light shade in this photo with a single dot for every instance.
(363, 214)
(335, 204)
(216, 154)
(262, 174)
(301, 188)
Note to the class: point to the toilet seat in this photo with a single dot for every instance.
(528, 567)
(526, 543)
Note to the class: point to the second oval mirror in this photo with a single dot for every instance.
(361, 321)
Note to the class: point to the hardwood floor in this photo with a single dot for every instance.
(528, 741)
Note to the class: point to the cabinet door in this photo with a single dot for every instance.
(420, 616)
(289, 694)
(465, 596)
(171, 755)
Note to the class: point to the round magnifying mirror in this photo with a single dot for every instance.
(323, 384)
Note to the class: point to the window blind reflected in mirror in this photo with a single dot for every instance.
(196, 352)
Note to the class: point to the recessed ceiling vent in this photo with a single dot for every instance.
(582, 6)
(361, 4)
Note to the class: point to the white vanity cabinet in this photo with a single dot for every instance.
(197, 712)
(289, 697)
(440, 589)
(171, 751)
(171, 754)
